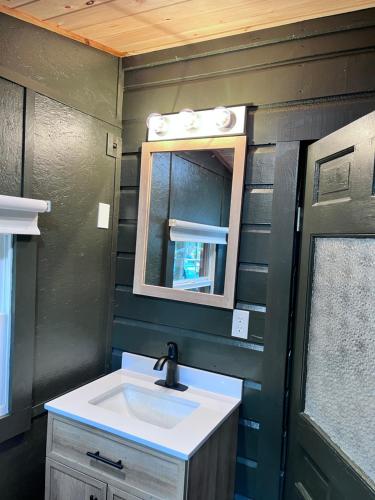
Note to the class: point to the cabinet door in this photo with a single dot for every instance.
(64, 483)
(115, 494)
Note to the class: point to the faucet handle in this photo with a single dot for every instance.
(172, 351)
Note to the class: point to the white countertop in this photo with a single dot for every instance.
(216, 397)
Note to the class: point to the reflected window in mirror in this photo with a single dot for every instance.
(194, 266)
(198, 263)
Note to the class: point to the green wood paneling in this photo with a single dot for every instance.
(196, 192)
(262, 161)
(145, 324)
(158, 215)
(254, 83)
(125, 270)
(250, 408)
(249, 87)
(256, 323)
(22, 463)
(175, 314)
(129, 204)
(257, 206)
(11, 137)
(130, 170)
(12, 129)
(205, 68)
(246, 476)
(127, 234)
(252, 284)
(70, 72)
(213, 353)
(299, 31)
(248, 434)
(254, 245)
(279, 296)
(70, 167)
(57, 151)
(307, 120)
(284, 76)
(116, 359)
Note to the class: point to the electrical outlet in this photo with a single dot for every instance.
(240, 323)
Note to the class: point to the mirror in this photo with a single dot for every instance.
(189, 215)
(189, 219)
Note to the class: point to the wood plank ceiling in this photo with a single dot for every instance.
(129, 27)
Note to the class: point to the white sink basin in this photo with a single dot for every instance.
(128, 404)
(149, 406)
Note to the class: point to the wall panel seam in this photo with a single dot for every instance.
(251, 67)
(39, 88)
(241, 47)
(206, 337)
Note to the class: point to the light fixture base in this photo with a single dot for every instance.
(205, 125)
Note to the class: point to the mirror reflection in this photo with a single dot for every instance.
(190, 201)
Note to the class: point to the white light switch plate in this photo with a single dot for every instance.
(103, 215)
(240, 323)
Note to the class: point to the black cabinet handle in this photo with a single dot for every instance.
(96, 456)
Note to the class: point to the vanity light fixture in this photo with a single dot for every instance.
(157, 123)
(224, 118)
(189, 124)
(189, 119)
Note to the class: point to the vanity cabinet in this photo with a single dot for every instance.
(85, 463)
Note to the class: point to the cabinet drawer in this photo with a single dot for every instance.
(139, 470)
(115, 494)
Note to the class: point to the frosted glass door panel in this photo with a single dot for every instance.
(6, 258)
(340, 383)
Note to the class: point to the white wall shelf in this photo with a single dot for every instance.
(20, 215)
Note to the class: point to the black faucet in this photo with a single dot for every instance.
(171, 359)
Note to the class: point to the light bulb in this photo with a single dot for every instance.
(157, 123)
(189, 119)
(224, 117)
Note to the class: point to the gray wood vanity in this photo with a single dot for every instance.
(125, 470)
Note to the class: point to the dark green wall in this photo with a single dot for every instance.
(11, 106)
(53, 146)
(300, 82)
(70, 72)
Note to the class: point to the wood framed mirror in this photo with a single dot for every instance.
(189, 219)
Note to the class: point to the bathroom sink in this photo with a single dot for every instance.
(129, 404)
(148, 405)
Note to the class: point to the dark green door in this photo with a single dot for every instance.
(331, 453)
